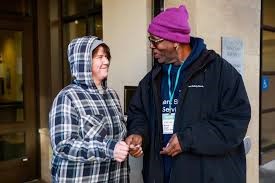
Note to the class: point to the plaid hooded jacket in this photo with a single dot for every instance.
(86, 125)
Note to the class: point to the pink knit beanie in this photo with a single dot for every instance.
(172, 25)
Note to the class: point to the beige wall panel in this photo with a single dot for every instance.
(231, 18)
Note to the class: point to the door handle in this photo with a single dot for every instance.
(25, 159)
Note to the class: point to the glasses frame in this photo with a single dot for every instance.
(155, 41)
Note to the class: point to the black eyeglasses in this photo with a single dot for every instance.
(155, 41)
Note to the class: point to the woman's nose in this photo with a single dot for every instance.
(106, 61)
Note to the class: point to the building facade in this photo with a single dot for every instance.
(33, 67)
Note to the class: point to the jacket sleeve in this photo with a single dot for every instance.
(66, 133)
(224, 130)
(137, 122)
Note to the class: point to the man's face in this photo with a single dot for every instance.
(164, 51)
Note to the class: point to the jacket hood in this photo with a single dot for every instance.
(80, 60)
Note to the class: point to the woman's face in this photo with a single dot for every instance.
(100, 65)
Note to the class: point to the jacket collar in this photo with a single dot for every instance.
(206, 57)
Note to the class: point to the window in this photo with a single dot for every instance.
(79, 18)
(11, 76)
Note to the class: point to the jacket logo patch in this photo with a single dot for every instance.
(195, 86)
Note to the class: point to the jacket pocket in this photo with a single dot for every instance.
(93, 126)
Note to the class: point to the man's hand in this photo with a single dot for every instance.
(134, 142)
(172, 148)
(121, 151)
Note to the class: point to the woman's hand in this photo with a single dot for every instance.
(121, 151)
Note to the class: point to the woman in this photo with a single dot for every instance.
(86, 122)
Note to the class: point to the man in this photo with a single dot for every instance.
(190, 113)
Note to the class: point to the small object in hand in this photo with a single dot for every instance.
(132, 146)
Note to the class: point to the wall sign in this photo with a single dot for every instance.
(265, 83)
(233, 52)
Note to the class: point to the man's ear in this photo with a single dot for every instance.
(176, 45)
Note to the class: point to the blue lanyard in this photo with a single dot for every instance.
(171, 94)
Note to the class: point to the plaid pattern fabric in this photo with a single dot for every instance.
(85, 125)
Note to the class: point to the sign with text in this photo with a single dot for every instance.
(233, 52)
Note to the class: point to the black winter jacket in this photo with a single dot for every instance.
(211, 121)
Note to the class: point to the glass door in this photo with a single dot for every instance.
(18, 137)
(268, 97)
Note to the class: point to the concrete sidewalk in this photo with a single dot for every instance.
(267, 172)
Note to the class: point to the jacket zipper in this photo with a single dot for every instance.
(102, 96)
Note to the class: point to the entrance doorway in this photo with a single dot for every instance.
(268, 83)
(18, 136)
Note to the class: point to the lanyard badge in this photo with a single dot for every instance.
(168, 123)
(168, 119)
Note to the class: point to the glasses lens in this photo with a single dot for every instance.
(151, 39)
